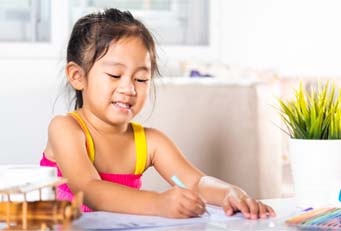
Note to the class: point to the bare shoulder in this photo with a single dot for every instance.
(62, 125)
(155, 135)
(61, 120)
(63, 133)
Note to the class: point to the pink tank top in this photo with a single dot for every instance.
(131, 180)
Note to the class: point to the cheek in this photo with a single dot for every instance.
(143, 93)
(99, 93)
(101, 87)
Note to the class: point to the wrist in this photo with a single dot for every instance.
(213, 190)
(235, 192)
(155, 205)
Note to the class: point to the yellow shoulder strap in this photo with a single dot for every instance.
(141, 147)
(89, 142)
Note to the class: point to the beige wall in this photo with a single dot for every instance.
(225, 129)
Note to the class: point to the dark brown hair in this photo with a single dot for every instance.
(92, 34)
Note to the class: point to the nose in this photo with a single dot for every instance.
(127, 87)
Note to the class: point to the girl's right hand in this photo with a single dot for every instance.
(180, 203)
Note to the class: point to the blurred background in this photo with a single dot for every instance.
(223, 63)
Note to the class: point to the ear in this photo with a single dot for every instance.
(75, 75)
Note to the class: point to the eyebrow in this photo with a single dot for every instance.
(113, 63)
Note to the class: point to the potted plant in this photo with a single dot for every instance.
(313, 122)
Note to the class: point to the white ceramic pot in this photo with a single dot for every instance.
(316, 168)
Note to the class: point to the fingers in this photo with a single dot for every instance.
(195, 198)
(189, 203)
(254, 208)
(229, 211)
(233, 204)
(262, 210)
(241, 205)
(265, 210)
(258, 209)
(187, 212)
(270, 211)
(193, 204)
(250, 208)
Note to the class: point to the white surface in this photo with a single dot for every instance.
(285, 209)
(293, 37)
(20, 175)
(316, 171)
(106, 220)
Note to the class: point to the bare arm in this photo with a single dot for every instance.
(232, 198)
(168, 161)
(67, 140)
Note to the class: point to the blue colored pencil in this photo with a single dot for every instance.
(179, 183)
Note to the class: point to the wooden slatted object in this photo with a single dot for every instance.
(39, 214)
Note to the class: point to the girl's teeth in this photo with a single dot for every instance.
(123, 105)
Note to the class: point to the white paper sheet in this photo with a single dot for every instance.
(118, 221)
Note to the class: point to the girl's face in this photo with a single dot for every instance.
(118, 84)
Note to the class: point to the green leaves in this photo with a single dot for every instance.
(313, 115)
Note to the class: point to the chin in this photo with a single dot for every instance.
(120, 120)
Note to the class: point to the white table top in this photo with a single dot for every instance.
(285, 208)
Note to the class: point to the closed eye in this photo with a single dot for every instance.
(114, 76)
(142, 80)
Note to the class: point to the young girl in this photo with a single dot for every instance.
(111, 60)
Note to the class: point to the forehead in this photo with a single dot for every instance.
(128, 51)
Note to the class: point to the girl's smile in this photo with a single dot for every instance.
(124, 107)
(118, 83)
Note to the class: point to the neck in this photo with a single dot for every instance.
(100, 125)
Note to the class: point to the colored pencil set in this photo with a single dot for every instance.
(323, 218)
